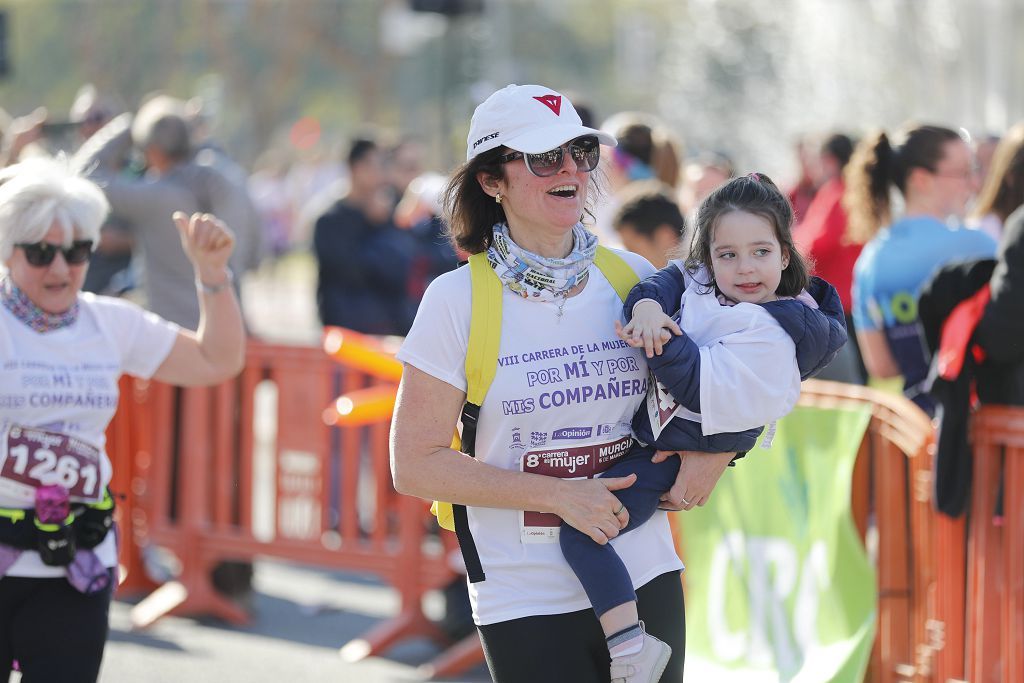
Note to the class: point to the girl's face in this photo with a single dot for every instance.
(746, 257)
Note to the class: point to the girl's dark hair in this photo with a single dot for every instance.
(757, 194)
(1003, 190)
(471, 213)
(877, 165)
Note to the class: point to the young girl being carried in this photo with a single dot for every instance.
(751, 325)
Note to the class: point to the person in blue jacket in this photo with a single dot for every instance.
(751, 324)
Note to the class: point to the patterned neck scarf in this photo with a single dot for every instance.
(18, 303)
(539, 278)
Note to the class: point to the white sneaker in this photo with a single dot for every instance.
(645, 666)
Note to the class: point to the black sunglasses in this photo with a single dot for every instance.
(585, 151)
(41, 254)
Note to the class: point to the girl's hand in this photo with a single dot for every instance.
(590, 506)
(698, 475)
(649, 328)
(207, 242)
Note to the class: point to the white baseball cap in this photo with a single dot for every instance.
(527, 118)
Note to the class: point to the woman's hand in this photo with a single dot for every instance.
(698, 476)
(208, 243)
(590, 506)
(649, 328)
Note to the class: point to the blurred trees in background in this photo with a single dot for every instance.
(738, 75)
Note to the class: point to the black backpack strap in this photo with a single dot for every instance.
(474, 569)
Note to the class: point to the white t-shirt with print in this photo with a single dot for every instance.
(562, 384)
(65, 382)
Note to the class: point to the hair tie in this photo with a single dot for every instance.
(755, 176)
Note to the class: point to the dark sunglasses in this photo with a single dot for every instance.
(41, 254)
(585, 151)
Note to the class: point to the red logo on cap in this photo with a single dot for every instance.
(552, 102)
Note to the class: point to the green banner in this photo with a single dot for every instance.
(778, 585)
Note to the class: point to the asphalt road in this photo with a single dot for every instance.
(302, 617)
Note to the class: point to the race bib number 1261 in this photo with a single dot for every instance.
(33, 457)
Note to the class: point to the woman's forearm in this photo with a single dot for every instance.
(221, 331)
(455, 477)
(422, 464)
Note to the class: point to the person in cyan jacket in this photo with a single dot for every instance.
(752, 324)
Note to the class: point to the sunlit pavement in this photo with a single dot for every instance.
(301, 618)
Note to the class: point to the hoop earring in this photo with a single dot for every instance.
(497, 198)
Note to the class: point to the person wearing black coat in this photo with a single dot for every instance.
(992, 360)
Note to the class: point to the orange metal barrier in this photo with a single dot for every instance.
(995, 548)
(123, 436)
(210, 462)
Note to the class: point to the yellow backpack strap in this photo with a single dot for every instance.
(484, 329)
(619, 273)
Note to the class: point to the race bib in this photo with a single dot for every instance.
(578, 462)
(662, 407)
(31, 457)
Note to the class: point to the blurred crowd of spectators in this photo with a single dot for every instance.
(373, 217)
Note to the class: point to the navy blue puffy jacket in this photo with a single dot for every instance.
(818, 335)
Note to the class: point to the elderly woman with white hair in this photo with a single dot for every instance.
(61, 354)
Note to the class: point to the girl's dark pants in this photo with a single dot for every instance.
(599, 568)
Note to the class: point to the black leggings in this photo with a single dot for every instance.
(56, 633)
(571, 647)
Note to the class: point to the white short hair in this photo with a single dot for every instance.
(38, 192)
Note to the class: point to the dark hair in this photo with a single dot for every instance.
(647, 208)
(637, 140)
(839, 147)
(471, 213)
(753, 193)
(1003, 191)
(359, 149)
(877, 165)
(170, 134)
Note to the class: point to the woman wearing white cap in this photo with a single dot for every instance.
(562, 399)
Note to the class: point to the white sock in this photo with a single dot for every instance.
(626, 642)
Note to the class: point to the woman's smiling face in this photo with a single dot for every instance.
(550, 205)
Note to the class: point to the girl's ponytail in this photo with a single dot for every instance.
(869, 175)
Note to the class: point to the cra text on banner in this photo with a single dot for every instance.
(778, 585)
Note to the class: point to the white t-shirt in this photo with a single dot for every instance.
(65, 382)
(561, 386)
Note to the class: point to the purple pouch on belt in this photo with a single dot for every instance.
(87, 574)
(52, 504)
(8, 556)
